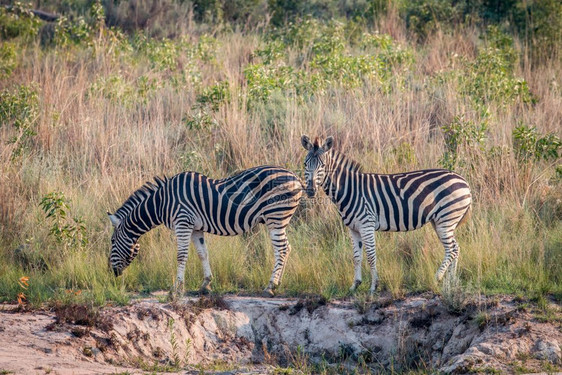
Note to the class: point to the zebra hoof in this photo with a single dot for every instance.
(355, 285)
(268, 293)
(206, 289)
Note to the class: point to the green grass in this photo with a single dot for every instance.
(88, 116)
(407, 263)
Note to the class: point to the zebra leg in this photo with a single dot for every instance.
(446, 236)
(281, 249)
(357, 258)
(199, 242)
(452, 270)
(183, 236)
(368, 237)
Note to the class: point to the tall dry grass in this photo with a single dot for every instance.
(97, 142)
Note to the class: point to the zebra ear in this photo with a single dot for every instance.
(306, 142)
(114, 219)
(328, 143)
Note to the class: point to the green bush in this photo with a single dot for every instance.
(327, 60)
(215, 95)
(529, 144)
(17, 21)
(232, 11)
(199, 119)
(70, 232)
(425, 16)
(461, 134)
(71, 32)
(542, 24)
(263, 80)
(19, 111)
(8, 59)
(490, 77)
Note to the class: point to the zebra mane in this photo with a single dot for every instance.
(140, 195)
(346, 162)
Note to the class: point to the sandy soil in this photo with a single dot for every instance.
(250, 335)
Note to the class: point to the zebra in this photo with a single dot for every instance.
(369, 202)
(192, 204)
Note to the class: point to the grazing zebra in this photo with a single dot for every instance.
(368, 202)
(191, 204)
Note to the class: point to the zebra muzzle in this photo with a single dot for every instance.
(117, 271)
(310, 192)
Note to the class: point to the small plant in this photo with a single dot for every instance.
(404, 154)
(174, 344)
(19, 110)
(490, 78)
(459, 134)
(529, 144)
(199, 118)
(69, 33)
(454, 295)
(425, 16)
(272, 52)
(206, 48)
(18, 21)
(97, 14)
(187, 351)
(482, 319)
(215, 95)
(8, 59)
(68, 231)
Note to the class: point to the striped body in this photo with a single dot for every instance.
(368, 202)
(192, 204)
(399, 202)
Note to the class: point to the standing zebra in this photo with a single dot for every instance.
(368, 202)
(190, 204)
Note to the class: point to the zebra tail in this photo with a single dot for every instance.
(466, 216)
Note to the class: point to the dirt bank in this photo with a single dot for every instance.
(253, 334)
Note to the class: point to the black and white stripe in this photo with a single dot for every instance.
(192, 204)
(369, 202)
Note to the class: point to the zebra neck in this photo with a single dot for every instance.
(146, 215)
(339, 172)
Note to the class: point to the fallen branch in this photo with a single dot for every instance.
(45, 16)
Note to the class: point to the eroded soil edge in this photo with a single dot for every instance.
(503, 334)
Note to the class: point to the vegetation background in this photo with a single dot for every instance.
(113, 93)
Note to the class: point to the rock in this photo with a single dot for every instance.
(548, 350)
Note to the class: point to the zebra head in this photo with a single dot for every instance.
(315, 163)
(124, 247)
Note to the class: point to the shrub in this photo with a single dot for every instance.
(71, 33)
(272, 52)
(424, 16)
(19, 112)
(199, 118)
(461, 133)
(8, 59)
(330, 64)
(215, 95)
(71, 232)
(234, 11)
(529, 144)
(490, 77)
(18, 22)
(283, 11)
(162, 54)
(263, 80)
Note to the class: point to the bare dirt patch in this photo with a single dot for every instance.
(246, 333)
